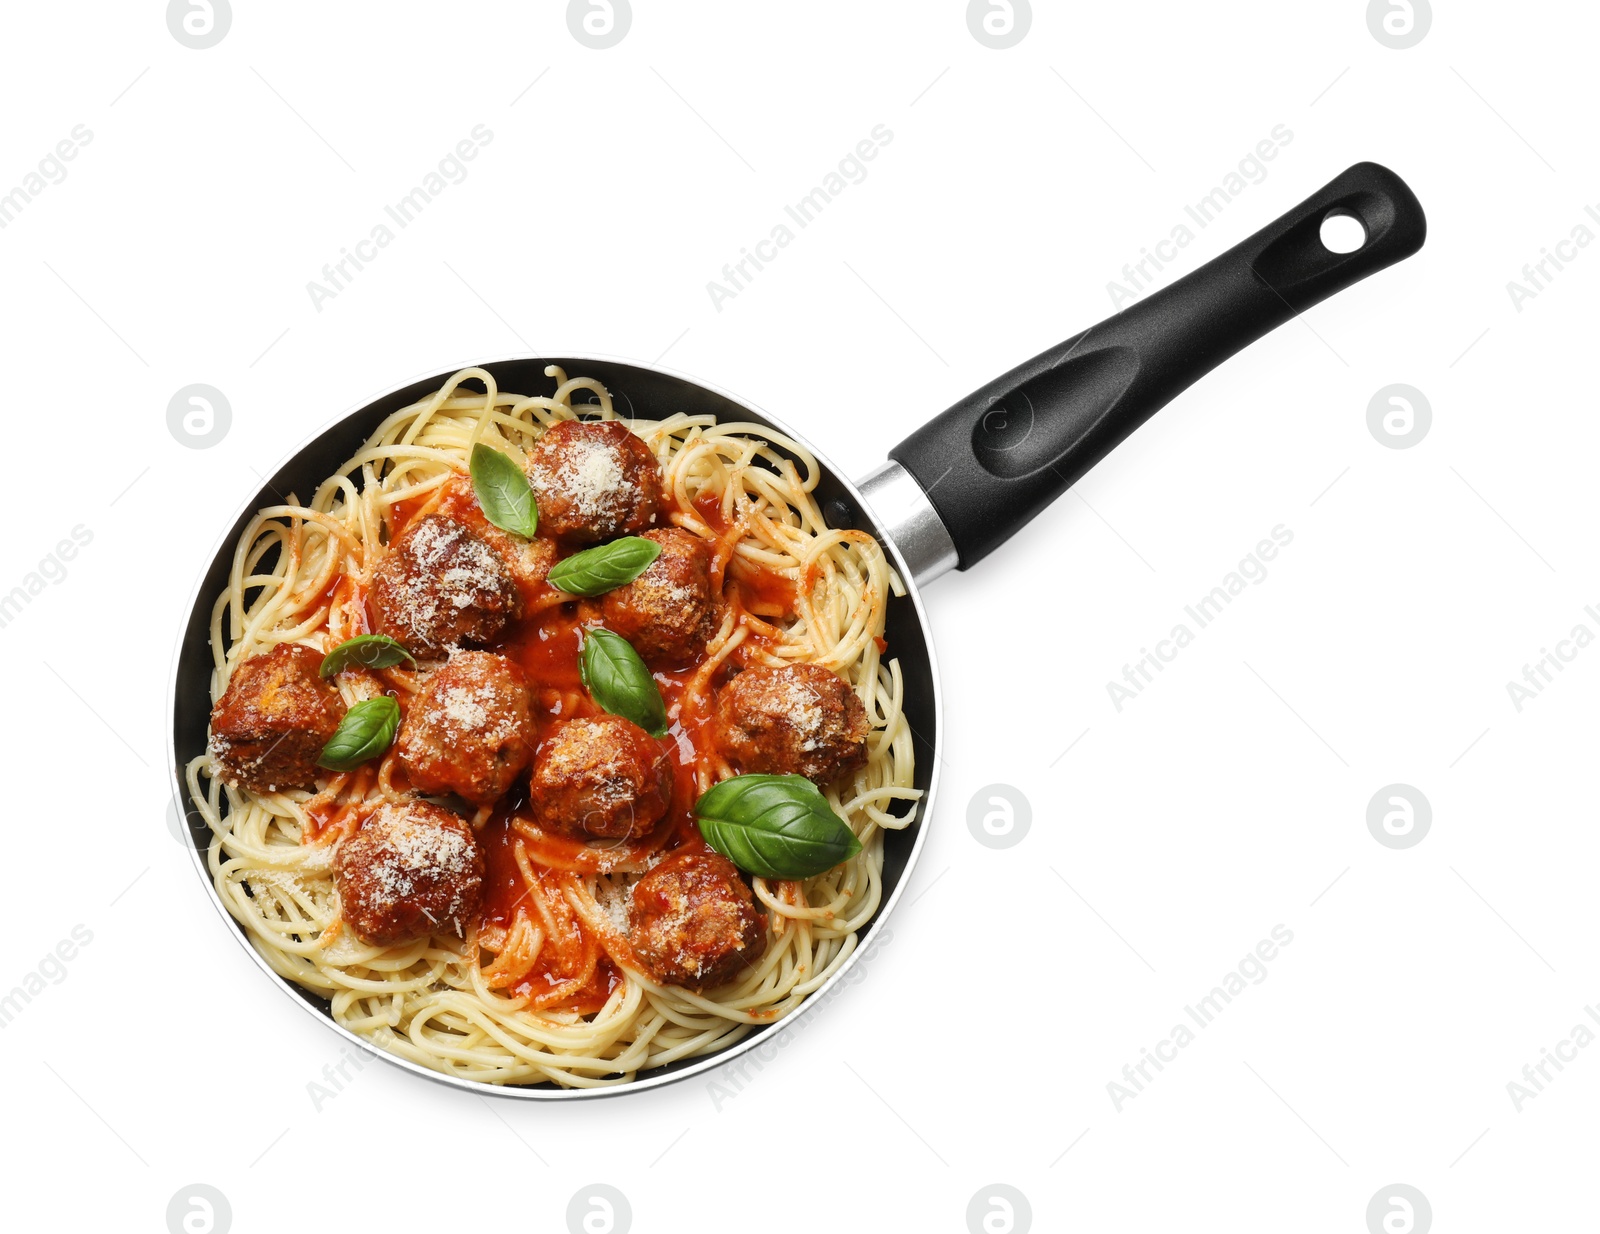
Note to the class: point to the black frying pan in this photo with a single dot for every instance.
(951, 493)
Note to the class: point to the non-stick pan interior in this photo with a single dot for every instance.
(637, 392)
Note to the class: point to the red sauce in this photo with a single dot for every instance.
(766, 593)
(322, 815)
(763, 592)
(329, 590)
(709, 508)
(548, 648)
(546, 645)
(503, 888)
(403, 511)
(567, 952)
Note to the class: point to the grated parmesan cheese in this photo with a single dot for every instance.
(451, 569)
(465, 709)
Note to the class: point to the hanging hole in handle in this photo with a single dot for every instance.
(1342, 232)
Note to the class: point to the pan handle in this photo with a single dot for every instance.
(1002, 454)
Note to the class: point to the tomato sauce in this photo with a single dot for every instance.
(403, 511)
(547, 646)
(764, 593)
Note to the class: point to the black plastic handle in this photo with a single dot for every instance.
(1002, 454)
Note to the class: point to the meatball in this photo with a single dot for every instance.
(269, 726)
(412, 870)
(594, 480)
(693, 922)
(601, 777)
(471, 730)
(441, 585)
(668, 612)
(528, 561)
(799, 719)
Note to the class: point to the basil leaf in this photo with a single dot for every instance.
(596, 571)
(617, 679)
(503, 491)
(775, 826)
(364, 651)
(365, 732)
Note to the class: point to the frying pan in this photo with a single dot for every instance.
(950, 494)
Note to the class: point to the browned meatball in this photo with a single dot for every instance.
(269, 726)
(594, 480)
(441, 585)
(413, 870)
(668, 612)
(601, 777)
(796, 720)
(471, 730)
(693, 922)
(528, 561)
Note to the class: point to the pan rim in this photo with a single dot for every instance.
(645, 1081)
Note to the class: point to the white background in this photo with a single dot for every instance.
(1229, 797)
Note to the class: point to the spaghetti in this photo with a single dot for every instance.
(543, 985)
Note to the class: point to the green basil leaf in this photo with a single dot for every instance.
(596, 571)
(364, 651)
(365, 732)
(503, 491)
(775, 826)
(617, 679)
